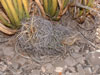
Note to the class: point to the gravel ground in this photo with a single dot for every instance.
(80, 58)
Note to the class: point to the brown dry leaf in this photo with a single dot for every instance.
(62, 11)
(6, 30)
(30, 4)
(70, 40)
(41, 7)
(3, 14)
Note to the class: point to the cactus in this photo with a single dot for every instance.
(80, 13)
(15, 11)
(54, 9)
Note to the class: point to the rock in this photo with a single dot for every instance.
(20, 60)
(35, 72)
(88, 71)
(68, 73)
(1, 52)
(15, 65)
(49, 68)
(94, 58)
(80, 70)
(72, 69)
(75, 73)
(81, 60)
(60, 63)
(95, 68)
(98, 71)
(43, 69)
(1, 73)
(3, 67)
(8, 51)
(69, 61)
(76, 49)
(76, 55)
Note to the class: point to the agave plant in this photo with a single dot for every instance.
(78, 12)
(53, 8)
(12, 12)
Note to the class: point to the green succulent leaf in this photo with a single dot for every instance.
(15, 10)
(53, 8)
